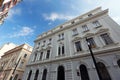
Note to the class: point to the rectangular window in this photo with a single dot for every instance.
(89, 15)
(41, 56)
(61, 36)
(48, 54)
(63, 50)
(92, 42)
(59, 50)
(35, 57)
(78, 46)
(85, 28)
(106, 39)
(75, 32)
(49, 42)
(96, 24)
(25, 55)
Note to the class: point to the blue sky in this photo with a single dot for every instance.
(33, 17)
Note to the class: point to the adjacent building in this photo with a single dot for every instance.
(62, 53)
(4, 48)
(5, 6)
(13, 62)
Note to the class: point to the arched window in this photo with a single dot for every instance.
(118, 62)
(84, 72)
(44, 74)
(16, 76)
(103, 71)
(61, 73)
(36, 75)
(29, 75)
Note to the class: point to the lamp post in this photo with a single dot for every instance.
(94, 61)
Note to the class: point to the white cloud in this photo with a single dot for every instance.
(13, 12)
(25, 31)
(56, 16)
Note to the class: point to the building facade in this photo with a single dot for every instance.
(13, 62)
(5, 6)
(62, 53)
(4, 48)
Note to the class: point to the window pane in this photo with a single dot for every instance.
(63, 49)
(48, 54)
(92, 42)
(96, 23)
(75, 32)
(78, 46)
(25, 55)
(35, 56)
(85, 28)
(59, 49)
(41, 55)
(106, 38)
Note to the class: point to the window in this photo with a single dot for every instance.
(84, 72)
(61, 50)
(103, 71)
(118, 62)
(96, 24)
(106, 39)
(38, 43)
(85, 28)
(78, 46)
(36, 75)
(44, 41)
(89, 15)
(92, 42)
(61, 73)
(44, 74)
(61, 36)
(48, 54)
(29, 75)
(75, 32)
(49, 42)
(35, 57)
(41, 56)
(43, 44)
(25, 55)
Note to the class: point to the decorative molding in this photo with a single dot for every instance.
(76, 38)
(102, 30)
(88, 35)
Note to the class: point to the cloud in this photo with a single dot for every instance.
(13, 12)
(25, 31)
(56, 16)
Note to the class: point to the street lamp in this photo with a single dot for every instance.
(94, 61)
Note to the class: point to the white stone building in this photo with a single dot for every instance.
(6, 47)
(62, 53)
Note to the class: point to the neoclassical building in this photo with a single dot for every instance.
(13, 62)
(63, 54)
